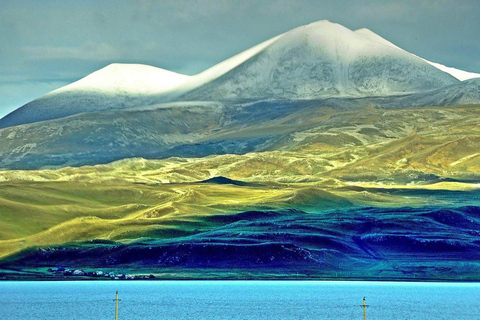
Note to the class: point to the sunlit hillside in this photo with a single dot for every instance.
(367, 157)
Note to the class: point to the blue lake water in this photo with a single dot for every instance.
(238, 300)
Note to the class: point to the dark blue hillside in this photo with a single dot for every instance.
(395, 243)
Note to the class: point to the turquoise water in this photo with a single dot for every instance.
(238, 300)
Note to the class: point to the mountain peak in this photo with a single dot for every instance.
(321, 59)
(326, 25)
(320, 33)
(126, 77)
(114, 87)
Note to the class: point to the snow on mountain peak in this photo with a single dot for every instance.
(336, 40)
(315, 31)
(459, 74)
(318, 60)
(324, 26)
(128, 78)
(114, 87)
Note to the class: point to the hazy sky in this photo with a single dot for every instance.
(47, 44)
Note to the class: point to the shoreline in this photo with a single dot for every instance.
(211, 277)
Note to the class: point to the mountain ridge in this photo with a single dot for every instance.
(258, 100)
(270, 69)
(324, 59)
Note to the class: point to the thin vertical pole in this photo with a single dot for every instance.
(364, 309)
(116, 306)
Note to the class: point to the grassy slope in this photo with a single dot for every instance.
(348, 158)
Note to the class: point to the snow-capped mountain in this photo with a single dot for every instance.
(319, 60)
(117, 86)
(129, 78)
(323, 59)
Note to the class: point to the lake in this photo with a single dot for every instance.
(142, 300)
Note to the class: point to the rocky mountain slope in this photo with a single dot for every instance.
(196, 129)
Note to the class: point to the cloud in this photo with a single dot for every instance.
(87, 51)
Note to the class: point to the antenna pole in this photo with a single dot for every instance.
(116, 306)
(364, 310)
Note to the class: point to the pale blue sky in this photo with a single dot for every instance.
(47, 44)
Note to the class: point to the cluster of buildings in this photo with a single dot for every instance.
(98, 274)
